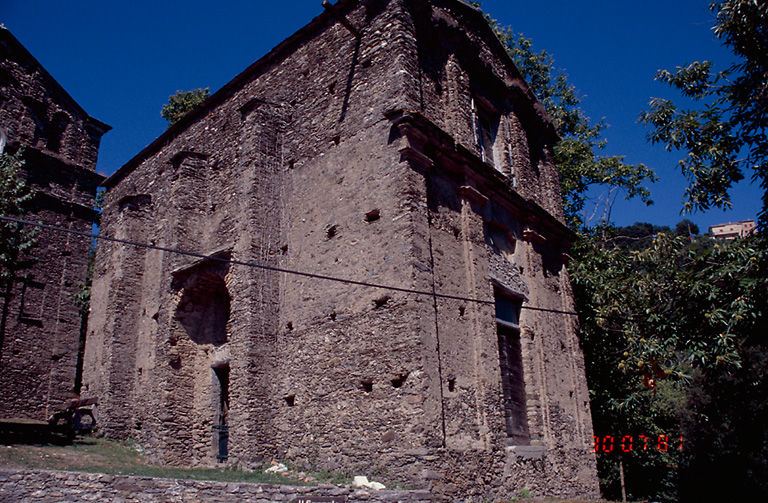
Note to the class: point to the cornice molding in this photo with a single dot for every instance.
(429, 146)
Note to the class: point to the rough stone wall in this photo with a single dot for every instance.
(464, 209)
(483, 238)
(40, 350)
(310, 161)
(459, 64)
(266, 186)
(353, 357)
(37, 112)
(40, 486)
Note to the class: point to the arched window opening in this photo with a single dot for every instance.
(204, 310)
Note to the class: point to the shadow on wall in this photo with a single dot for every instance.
(204, 310)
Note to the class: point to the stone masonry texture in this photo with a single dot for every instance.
(41, 345)
(39, 486)
(414, 156)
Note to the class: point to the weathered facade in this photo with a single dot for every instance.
(42, 345)
(412, 156)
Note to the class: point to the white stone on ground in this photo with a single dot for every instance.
(363, 482)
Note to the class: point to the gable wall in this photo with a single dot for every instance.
(40, 346)
(264, 176)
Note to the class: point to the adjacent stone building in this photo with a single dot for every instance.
(388, 142)
(41, 350)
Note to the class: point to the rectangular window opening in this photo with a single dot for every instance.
(486, 128)
(220, 427)
(32, 305)
(511, 364)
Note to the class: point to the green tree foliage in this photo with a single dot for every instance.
(16, 240)
(181, 103)
(671, 324)
(637, 236)
(15, 198)
(724, 137)
(686, 228)
(664, 327)
(725, 422)
(672, 305)
(578, 154)
(640, 235)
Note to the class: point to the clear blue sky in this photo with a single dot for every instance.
(121, 61)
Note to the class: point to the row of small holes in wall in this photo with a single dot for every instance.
(377, 303)
(333, 230)
(370, 217)
(366, 385)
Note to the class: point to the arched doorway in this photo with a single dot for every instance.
(199, 366)
(204, 309)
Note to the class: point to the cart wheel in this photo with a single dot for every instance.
(83, 421)
(59, 419)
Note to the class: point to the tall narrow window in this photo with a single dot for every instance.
(486, 127)
(32, 305)
(56, 129)
(221, 428)
(511, 362)
(511, 162)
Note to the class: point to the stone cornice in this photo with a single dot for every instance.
(427, 145)
(56, 204)
(41, 158)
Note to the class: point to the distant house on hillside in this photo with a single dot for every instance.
(733, 230)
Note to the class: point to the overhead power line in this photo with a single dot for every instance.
(271, 268)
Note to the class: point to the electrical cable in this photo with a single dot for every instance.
(272, 268)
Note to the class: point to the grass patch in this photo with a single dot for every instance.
(95, 455)
(334, 478)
